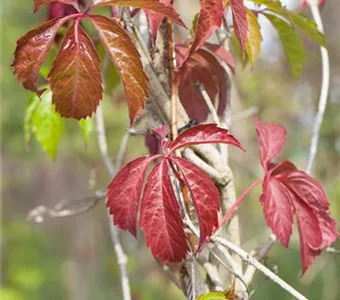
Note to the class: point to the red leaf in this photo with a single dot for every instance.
(271, 139)
(153, 5)
(202, 134)
(204, 194)
(223, 54)
(125, 56)
(124, 193)
(210, 18)
(155, 19)
(240, 22)
(160, 217)
(277, 207)
(40, 3)
(287, 190)
(31, 52)
(204, 68)
(75, 77)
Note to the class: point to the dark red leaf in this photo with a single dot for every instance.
(271, 139)
(75, 77)
(204, 194)
(223, 54)
(155, 19)
(240, 22)
(210, 18)
(203, 134)
(125, 191)
(286, 190)
(40, 3)
(278, 210)
(125, 56)
(204, 68)
(160, 217)
(31, 52)
(153, 5)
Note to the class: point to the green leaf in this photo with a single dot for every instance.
(292, 44)
(45, 123)
(29, 112)
(254, 37)
(223, 295)
(297, 19)
(86, 126)
(308, 26)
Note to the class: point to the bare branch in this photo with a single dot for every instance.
(209, 104)
(66, 208)
(314, 6)
(251, 260)
(121, 257)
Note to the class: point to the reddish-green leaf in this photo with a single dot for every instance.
(125, 56)
(210, 18)
(204, 194)
(41, 3)
(31, 52)
(152, 5)
(203, 134)
(75, 77)
(125, 191)
(160, 217)
(240, 22)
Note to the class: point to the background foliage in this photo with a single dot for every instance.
(73, 258)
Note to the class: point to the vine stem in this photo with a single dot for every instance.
(235, 205)
(245, 256)
(314, 6)
(121, 256)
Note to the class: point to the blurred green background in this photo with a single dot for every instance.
(72, 258)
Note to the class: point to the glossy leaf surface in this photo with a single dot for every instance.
(75, 77)
(31, 52)
(40, 3)
(126, 58)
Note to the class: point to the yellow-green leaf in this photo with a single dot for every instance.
(42, 120)
(220, 295)
(86, 126)
(292, 44)
(254, 37)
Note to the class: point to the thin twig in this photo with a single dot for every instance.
(246, 257)
(122, 150)
(209, 104)
(66, 208)
(121, 256)
(314, 6)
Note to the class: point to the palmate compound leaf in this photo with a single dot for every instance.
(75, 77)
(209, 19)
(40, 3)
(160, 217)
(240, 22)
(31, 52)
(204, 194)
(286, 190)
(126, 58)
(156, 6)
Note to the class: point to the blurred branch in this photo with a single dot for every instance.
(209, 103)
(66, 207)
(121, 257)
(314, 6)
(246, 257)
(251, 111)
(331, 250)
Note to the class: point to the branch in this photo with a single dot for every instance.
(121, 257)
(209, 104)
(66, 208)
(246, 257)
(314, 6)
